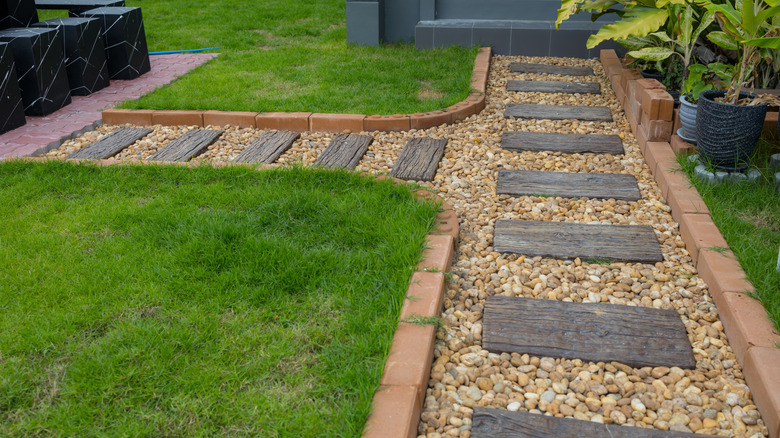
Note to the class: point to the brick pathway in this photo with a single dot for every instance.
(84, 111)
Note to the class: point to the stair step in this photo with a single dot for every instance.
(558, 112)
(568, 185)
(565, 143)
(268, 148)
(186, 146)
(111, 144)
(344, 151)
(554, 87)
(566, 240)
(565, 70)
(419, 160)
(500, 423)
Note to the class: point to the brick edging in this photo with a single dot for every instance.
(307, 121)
(751, 334)
(397, 404)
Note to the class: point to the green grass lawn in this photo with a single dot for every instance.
(748, 216)
(166, 301)
(282, 55)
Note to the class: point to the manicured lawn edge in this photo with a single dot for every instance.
(303, 121)
(396, 406)
(750, 332)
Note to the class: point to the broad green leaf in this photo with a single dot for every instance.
(723, 39)
(662, 3)
(635, 43)
(726, 12)
(651, 53)
(773, 12)
(640, 22)
(597, 5)
(686, 26)
(568, 8)
(769, 43)
(661, 36)
(748, 16)
(704, 22)
(735, 31)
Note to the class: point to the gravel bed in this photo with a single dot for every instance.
(710, 399)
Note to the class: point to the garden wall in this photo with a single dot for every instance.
(510, 27)
(751, 334)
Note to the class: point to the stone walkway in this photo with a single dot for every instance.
(41, 132)
(710, 399)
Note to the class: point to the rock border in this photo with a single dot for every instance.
(307, 121)
(397, 403)
(756, 343)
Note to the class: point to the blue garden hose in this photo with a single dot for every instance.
(171, 52)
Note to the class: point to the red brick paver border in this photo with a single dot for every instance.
(83, 114)
(751, 334)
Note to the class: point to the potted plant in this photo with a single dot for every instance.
(729, 123)
(700, 78)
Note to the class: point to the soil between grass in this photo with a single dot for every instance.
(166, 301)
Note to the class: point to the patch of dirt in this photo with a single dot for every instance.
(761, 219)
(427, 92)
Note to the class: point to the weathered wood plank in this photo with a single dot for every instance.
(420, 159)
(568, 185)
(554, 87)
(558, 112)
(187, 145)
(627, 243)
(635, 336)
(111, 144)
(564, 143)
(524, 67)
(344, 151)
(500, 423)
(268, 148)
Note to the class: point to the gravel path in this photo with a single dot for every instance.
(711, 399)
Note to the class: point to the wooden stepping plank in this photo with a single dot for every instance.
(565, 143)
(568, 185)
(558, 112)
(524, 67)
(111, 144)
(268, 148)
(562, 240)
(635, 336)
(554, 87)
(420, 159)
(187, 145)
(344, 151)
(500, 423)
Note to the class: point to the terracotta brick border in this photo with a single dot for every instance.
(303, 121)
(751, 334)
(397, 404)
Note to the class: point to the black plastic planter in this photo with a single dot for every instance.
(726, 133)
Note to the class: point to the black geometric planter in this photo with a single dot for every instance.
(85, 56)
(40, 67)
(726, 133)
(11, 108)
(17, 13)
(124, 39)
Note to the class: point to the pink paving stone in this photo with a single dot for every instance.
(39, 132)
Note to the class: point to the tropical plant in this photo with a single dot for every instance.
(678, 39)
(750, 27)
(706, 77)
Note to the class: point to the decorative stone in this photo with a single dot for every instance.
(125, 41)
(11, 108)
(735, 177)
(85, 56)
(693, 158)
(704, 174)
(753, 175)
(40, 67)
(774, 162)
(720, 176)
